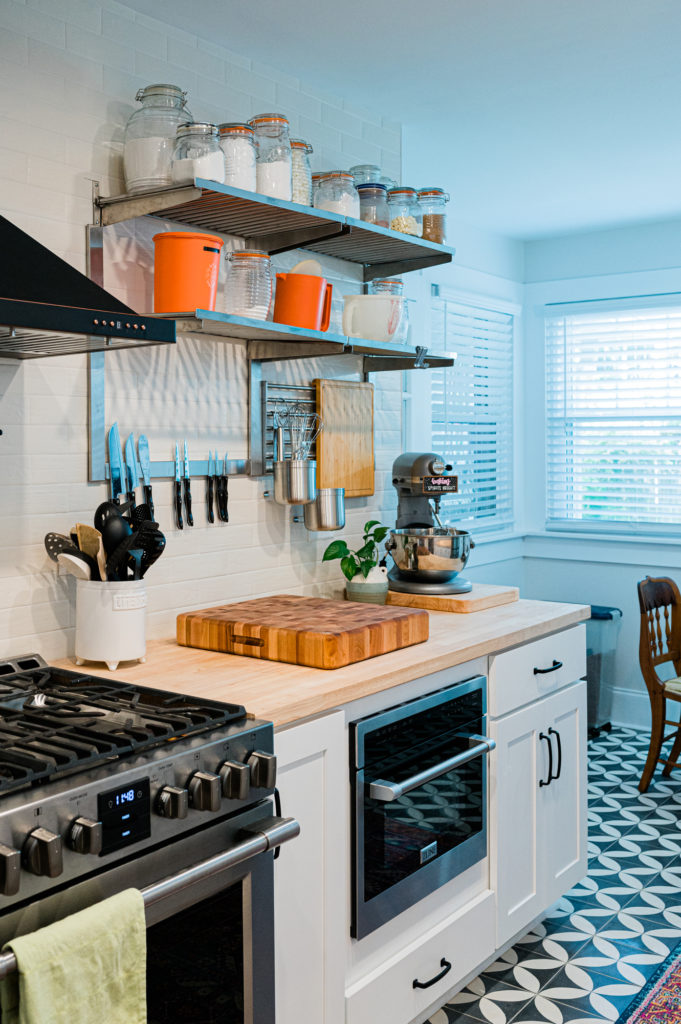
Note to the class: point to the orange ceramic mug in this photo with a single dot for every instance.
(303, 300)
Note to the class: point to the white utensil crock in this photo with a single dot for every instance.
(110, 621)
(372, 316)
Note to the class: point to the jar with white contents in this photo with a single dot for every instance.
(405, 215)
(197, 154)
(301, 172)
(237, 142)
(337, 194)
(150, 137)
(273, 155)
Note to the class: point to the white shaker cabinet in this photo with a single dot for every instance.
(310, 874)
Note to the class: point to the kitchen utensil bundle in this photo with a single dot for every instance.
(295, 477)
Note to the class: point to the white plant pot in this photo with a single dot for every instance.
(110, 621)
(372, 590)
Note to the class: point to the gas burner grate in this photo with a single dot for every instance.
(55, 722)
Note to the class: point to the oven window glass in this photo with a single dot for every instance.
(195, 963)
(402, 835)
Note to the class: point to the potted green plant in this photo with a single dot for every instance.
(367, 581)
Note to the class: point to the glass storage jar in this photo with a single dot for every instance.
(150, 137)
(364, 173)
(248, 284)
(432, 202)
(405, 215)
(373, 204)
(393, 286)
(273, 155)
(337, 194)
(237, 142)
(197, 153)
(301, 173)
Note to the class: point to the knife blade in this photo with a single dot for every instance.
(187, 488)
(217, 485)
(131, 475)
(145, 466)
(178, 490)
(224, 487)
(115, 463)
(209, 488)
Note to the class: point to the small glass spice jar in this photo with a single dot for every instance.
(301, 173)
(405, 215)
(337, 194)
(197, 153)
(364, 173)
(393, 286)
(273, 155)
(237, 142)
(248, 284)
(432, 202)
(316, 178)
(150, 137)
(373, 204)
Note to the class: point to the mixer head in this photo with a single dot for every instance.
(419, 479)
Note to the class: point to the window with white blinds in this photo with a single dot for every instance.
(613, 383)
(472, 411)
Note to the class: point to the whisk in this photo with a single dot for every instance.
(303, 429)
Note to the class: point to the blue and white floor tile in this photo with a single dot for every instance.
(598, 946)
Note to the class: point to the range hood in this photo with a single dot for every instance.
(48, 309)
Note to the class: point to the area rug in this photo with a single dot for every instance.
(659, 1001)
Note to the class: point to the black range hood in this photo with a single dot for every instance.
(47, 308)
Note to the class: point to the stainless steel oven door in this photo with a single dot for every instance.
(209, 905)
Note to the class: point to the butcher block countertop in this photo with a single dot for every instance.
(287, 693)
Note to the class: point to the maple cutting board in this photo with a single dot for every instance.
(303, 630)
(483, 595)
(345, 447)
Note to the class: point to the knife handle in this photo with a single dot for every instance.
(188, 502)
(226, 498)
(178, 505)
(209, 499)
(149, 500)
(131, 497)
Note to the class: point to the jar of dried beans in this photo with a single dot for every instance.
(405, 213)
(432, 203)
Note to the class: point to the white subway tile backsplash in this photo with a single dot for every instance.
(75, 67)
(319, 135)
(184, 55)
(133, 35)
(340, 119)
(13, 46)
(94, 47)
(258, 86)
(33, 23)
(292, 99)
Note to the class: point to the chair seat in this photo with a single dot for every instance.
(673, 686)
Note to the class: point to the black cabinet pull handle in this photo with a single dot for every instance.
(554, 732)
(553, 668)
(549, 777)
(446, 968)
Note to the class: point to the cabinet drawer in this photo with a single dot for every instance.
(519, 677)
(464, 940)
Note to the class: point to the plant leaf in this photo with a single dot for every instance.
(366, 568)
(336, 549)
(348, 567)
(372, 522)
(381, 533)
(367, 552)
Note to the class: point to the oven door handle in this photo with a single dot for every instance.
(379, 789)
(261, 836)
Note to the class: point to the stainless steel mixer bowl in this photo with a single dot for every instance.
(432, 556)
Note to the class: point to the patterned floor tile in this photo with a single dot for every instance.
(488, 1000)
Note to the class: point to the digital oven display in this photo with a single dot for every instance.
(440, 484)
(125, 815)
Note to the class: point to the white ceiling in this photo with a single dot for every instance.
(541, 116)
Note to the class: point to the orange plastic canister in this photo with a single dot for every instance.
(186, 266)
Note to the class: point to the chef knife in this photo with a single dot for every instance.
(209, 488)
(145, 465)
(178, 490)
(115, 463)
(131, 475)
(187, 488)
(224, 491)
(217, 484)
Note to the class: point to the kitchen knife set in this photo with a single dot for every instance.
(217, 488)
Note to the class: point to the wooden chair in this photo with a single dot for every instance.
(660, 643)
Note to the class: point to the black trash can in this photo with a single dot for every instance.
(602, 630)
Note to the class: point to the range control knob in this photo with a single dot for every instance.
(204, 791)
(263, 769)
(10, 870)
(236, 780)
(42, 853)
(173, 802)
(85, 836)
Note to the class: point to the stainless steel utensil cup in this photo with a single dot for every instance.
(327, 511)
(295, 481)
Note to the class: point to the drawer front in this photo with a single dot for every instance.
(529, 672)
(464, 940)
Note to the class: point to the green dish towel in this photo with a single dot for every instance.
(90, 968)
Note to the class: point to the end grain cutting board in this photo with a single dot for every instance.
(303, 630)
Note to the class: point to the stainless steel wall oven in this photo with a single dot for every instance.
(419, 796)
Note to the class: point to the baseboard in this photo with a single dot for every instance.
(630, 708)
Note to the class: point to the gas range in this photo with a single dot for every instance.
(94, 772)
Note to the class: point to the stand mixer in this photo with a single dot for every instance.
(428, 556)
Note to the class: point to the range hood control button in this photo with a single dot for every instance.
(42, 853)
(236, 780)
(263, 769)
(10, 870)
(173, 802)
(204, 791)
(85, 836)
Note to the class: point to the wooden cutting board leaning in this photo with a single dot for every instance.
(303, 630)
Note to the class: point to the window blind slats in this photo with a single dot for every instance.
(613, 402)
